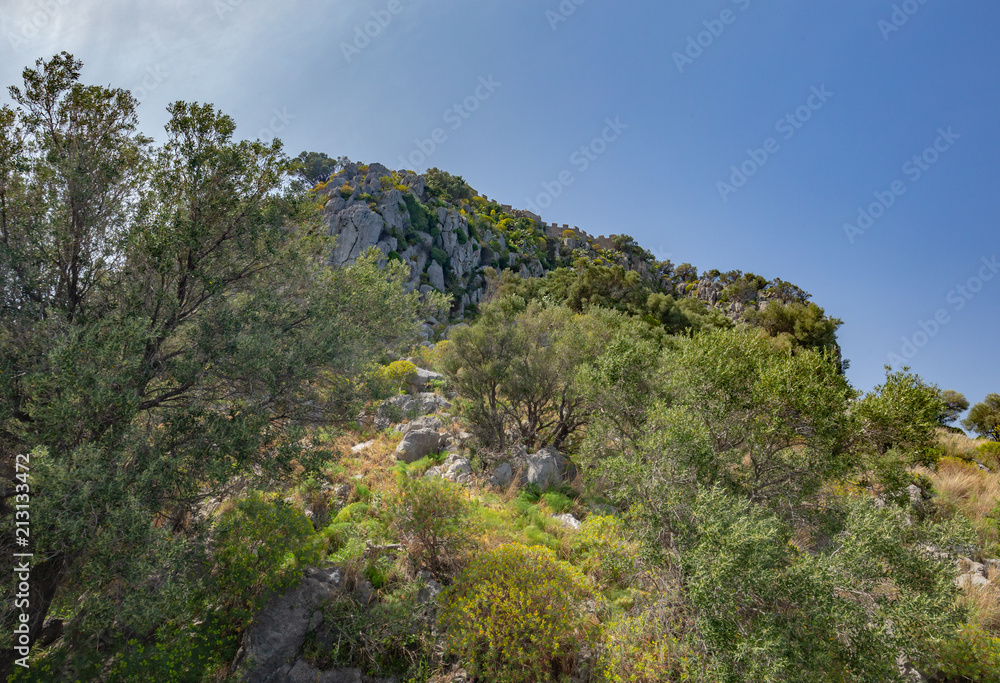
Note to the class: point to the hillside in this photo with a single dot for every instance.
(242, 439)
(457, 241)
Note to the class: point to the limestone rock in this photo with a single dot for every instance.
(418, 443)
(357, 229)
(273, 642)
(567, 520)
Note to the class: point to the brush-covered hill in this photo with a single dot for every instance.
(459, 242)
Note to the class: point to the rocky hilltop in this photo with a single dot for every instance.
(451, 236)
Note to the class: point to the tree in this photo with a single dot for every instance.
(168, 324)
(516, 370)
(984, 418)
(316, 167)
(954, 405)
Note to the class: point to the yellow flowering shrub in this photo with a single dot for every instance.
(643, 649)
(397, 373)
(514, 616)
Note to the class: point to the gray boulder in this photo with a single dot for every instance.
(502, 475)
(418, 443)
(273, 642)
(435, 275)
(547, 468)
(423, 377)
(424, 422)
(567, 520)
(357, 229)
(455, 468)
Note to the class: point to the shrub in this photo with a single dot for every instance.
(972, 655)
(557, 502)
(605, 553)
(439, 255)
(397, 373)
(260, 543)
(514, 615)
(461, 236)
(654, 645)
(430, 515)
(394, 256)
(387, 638)
(346, 190)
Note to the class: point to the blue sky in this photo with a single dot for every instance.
(696, 88)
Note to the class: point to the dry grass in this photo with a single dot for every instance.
(974, 493)
(983, 603)
(957, 445)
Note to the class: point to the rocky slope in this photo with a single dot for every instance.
(449, 235)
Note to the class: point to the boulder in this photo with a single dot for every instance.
(422, 377)
(272, 643)
(567, 520)
(502, 475)
(424, 422)
(418, 443)
(357, 229)
(547, 468)
(404, 406)
(455, 468)
(435, 275)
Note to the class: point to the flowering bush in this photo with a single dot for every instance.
(514, 615)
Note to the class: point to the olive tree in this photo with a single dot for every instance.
(168, 324)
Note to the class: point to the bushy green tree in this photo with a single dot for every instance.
(168, 323)
(516, 370)
(984, 418)
(954, 405)
(316, 167)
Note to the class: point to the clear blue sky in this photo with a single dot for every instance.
(557, 76)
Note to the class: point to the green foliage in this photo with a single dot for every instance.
(984, 418)
(397, 374)
(346, 190)
(260, 545)
(954, 405)
(168, 324)
(799, 325)
(516, 370)
(971, 655)
(316, 167)
(557, 502)
(768, 612)
(588, 285)
(388, 638)
(605, 552)
(422, 219)
(439, 255)
(513, 615)
(430, 516)
(450, 188)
